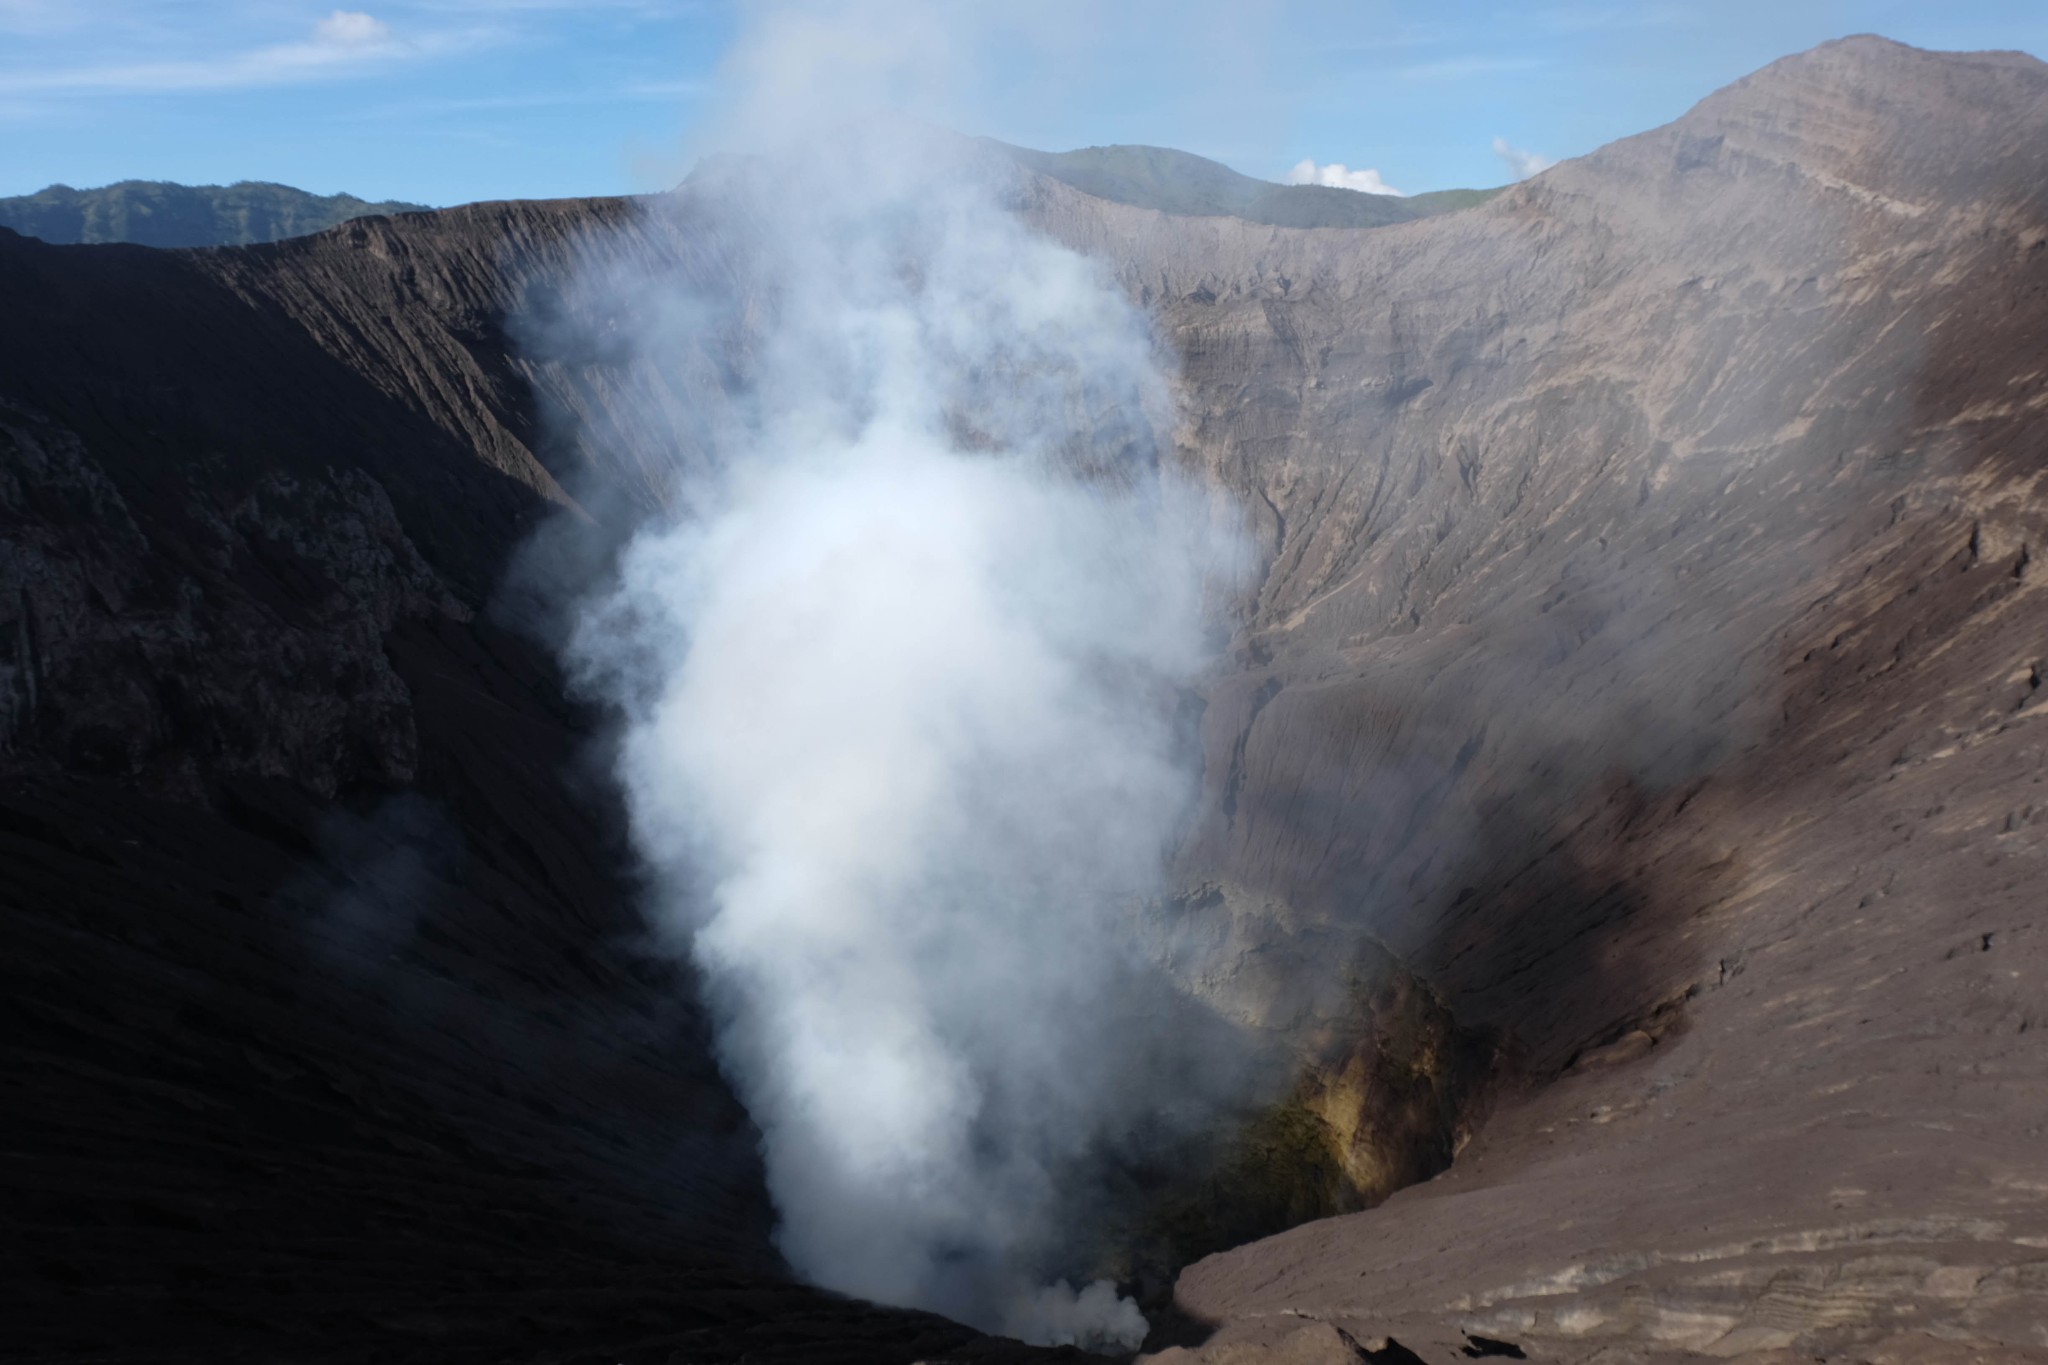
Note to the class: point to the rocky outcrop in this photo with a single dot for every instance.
(1645, 652)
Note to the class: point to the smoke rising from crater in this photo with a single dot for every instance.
(900, 681)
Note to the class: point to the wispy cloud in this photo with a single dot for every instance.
(1336, 175)
(665, 90)
(649, 9)
(345, 43)
(1385, 39)
(1464, 68)
(31, 16)
(1605, 18)
(1521, 164)
(652, 92)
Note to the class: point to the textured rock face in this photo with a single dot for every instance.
(115, 651)
(1646, 651)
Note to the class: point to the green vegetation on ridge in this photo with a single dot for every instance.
(159, 213)
(1194, 186)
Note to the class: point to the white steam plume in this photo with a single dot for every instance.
(899, 695)
(1521, 164)
(1338, 176)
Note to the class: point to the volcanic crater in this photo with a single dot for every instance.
(1629, 722)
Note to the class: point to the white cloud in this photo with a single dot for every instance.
(347, 28)
(1521, 164)
(1339, 176)
(1465, 68)
(345, 43)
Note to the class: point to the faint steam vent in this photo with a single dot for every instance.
(900, 689)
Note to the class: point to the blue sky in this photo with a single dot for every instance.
(443, 101)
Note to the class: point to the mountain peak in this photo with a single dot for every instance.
(1874, 73)
(1890, 125)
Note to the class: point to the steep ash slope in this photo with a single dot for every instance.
(1649, 653)
(1646, 650)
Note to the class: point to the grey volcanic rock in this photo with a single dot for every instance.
(1646, 650)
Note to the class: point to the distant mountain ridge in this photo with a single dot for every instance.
(166, 214)
(161, 213)
(1193, 186)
